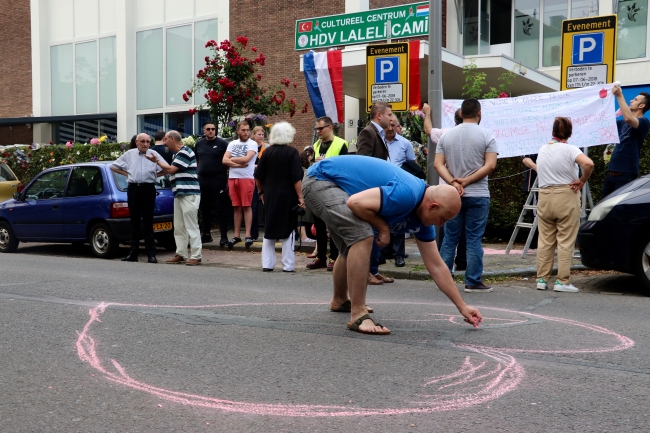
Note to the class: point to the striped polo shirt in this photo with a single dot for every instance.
(185, 180)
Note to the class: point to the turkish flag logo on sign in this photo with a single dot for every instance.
(305, 27)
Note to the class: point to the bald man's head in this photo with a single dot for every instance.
(440, 204)
(142, 142)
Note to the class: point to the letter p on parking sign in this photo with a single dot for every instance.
(387, 70)
(588, 48)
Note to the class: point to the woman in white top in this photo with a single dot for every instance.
(558, 209)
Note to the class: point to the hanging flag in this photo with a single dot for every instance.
(414, 75)
(324, 77)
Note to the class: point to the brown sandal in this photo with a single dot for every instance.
(354, 326)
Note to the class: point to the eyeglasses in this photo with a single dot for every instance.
(320, 128)
(210, 129)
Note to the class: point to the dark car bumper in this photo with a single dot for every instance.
(121, 227)
(606, 246)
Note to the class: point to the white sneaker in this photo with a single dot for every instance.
(541, 284)
(559, 287)
(308, 241)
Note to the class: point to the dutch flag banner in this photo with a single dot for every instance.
(324, 77)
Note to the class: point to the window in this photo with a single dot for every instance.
(470, 27)
(584, 8)
(83, 78)
(62, 80)
(167, 60)
(181, 122)
(203, 32)
(527, 32)
(6, 174)
(86, 77)
(149, 68)
(84, 131)
(632, 29)
(150, 123)
(501, 17)
(179, 63)
(49, 185)
(85, 181)
(555, 11)
(107, 76)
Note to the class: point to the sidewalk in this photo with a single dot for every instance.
(495, 261)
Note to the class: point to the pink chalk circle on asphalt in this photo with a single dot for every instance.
(484, 374)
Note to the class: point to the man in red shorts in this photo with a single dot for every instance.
(240, 157)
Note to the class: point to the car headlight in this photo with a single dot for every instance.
(600, 211)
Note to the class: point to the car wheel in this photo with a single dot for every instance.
(8, 240)
(102, 242)
(642, 259)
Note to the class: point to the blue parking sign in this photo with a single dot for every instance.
(588, 48)
(387, 69)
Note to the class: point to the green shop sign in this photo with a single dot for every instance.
(406, 21)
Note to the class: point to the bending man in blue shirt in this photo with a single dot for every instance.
(353, 194)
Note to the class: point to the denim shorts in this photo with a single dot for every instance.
(329, 202)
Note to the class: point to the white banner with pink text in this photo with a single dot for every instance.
(523, 124)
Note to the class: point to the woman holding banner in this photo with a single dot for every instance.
(558, 209)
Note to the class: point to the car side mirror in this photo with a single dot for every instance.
(18, 196)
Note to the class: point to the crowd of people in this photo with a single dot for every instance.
(363, 206)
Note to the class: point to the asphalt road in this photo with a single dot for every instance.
(95, 345)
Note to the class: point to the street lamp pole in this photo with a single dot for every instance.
(435, 81)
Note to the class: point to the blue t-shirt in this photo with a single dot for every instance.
(627, 153)
(401, 192)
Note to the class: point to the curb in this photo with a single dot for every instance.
(515, 272)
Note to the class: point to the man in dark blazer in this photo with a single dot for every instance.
(370, 141)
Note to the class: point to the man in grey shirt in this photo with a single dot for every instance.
(465, 155)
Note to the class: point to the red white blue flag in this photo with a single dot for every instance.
(324, 77)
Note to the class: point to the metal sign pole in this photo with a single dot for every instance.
(585, 187)
(435, 81)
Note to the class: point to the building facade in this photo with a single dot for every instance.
(78, 69)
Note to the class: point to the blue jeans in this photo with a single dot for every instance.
(473, 217)
(612, 183)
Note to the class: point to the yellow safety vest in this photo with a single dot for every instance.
(334, 149)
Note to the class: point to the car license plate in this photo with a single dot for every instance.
(161, 227)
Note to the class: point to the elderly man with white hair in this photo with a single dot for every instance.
(187, 197)
(141, 194)
(279, 183)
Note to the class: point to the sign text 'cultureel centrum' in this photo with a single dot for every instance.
(406, 21)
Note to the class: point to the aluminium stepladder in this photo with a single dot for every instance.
(528, 206)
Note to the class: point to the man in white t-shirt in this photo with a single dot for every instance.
(465, 155)
(240, 157)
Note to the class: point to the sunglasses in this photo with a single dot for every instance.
(210, 129)
(320, 128)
